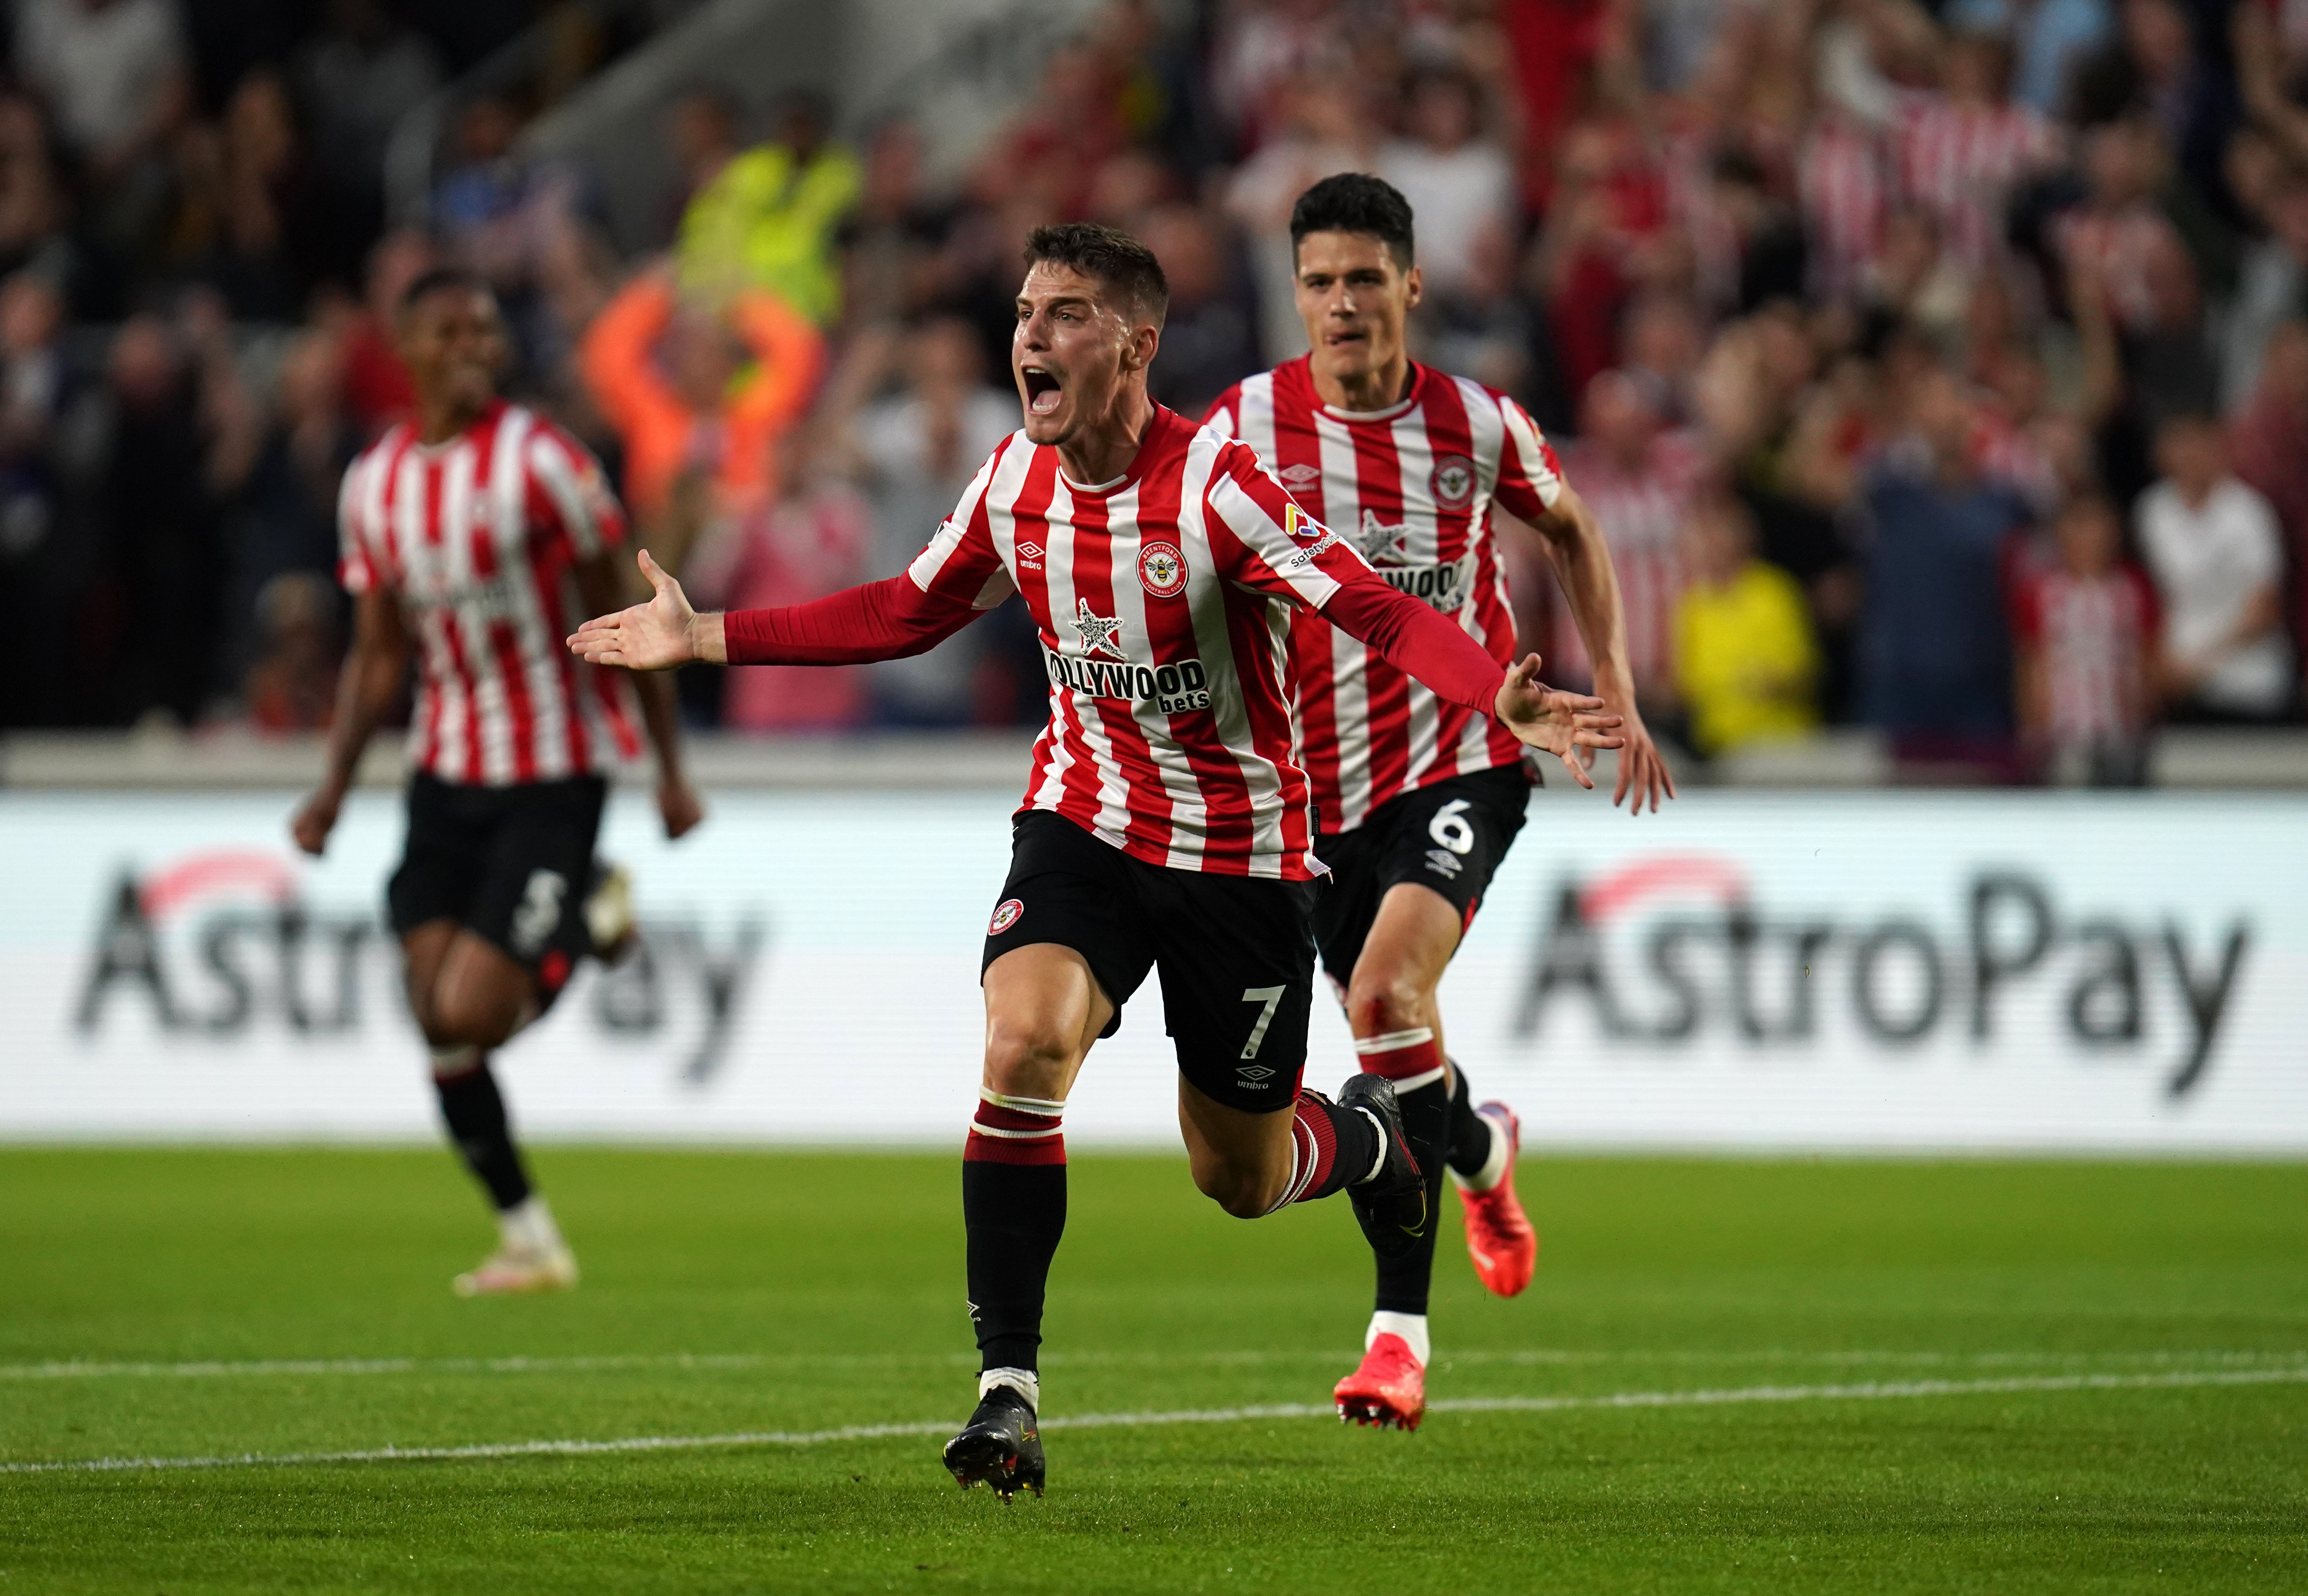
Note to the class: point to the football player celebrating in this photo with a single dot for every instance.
(1419, 797)
(461, 529)
(1165, 827)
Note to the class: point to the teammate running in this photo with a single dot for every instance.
(1418, 796)
(461, 531)
(1164, 825)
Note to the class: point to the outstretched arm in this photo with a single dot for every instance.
(1411, 637)
(1581, 558)
(889, 620)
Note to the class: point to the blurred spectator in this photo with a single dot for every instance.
(159, 608)
(292, 686)
(816, 538)
(768, 218)
(2271, 289)
(114, 74)
(357, 78)
(1207, 341)
(1458, 183)
(1328, 131)
(1745, 661)
(2270, 443)
(1936, 654)
(2084, 632)
(2158, 62)
(1964, 150)
(700, 429)
(31, 199)
(2213, 547)
(1641, 479)
(377, 390)
(246, 223)
(31, 395)
(277, 467)
(702, 129)
(919, 449)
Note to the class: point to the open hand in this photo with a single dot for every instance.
(1641, 769)
(1567, 725)
(658, 635)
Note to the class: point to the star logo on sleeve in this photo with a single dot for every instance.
(1099, 636)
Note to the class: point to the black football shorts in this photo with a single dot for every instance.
(512, 864)
(1236, 953)
(1450, 837)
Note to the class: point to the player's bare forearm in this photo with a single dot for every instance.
(1581, 557)
(373, 669)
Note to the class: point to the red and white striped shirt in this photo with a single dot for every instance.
(1642, 512)
(1963, 163)
(2094, 636)
(476, 536)
(1412, 486)
(1841, 184)
(1164, 599)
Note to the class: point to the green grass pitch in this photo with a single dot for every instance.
(1994, 1377)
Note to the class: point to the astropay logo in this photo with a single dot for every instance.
(1671, 948)
(223, 943)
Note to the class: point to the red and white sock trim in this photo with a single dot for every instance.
(1314, 1148)
(1495, 1166)
(1408, 1059)
(1016, 1130)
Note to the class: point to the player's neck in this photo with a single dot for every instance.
(1374, 389)
(439, 420)
(1099, 453)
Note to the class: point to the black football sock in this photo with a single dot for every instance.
(1013, 1211)
(475, 1112)
(1403, 1282)
(1470, 1132)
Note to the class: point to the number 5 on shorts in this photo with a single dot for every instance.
(1271, 997)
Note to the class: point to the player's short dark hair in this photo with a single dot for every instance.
(1356, 202)
(1122, 265)
(443, 280)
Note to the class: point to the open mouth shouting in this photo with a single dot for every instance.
(1042, 389)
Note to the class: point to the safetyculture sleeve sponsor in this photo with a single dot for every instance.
(1854, 971)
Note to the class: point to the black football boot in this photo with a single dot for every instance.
(1391, 1205)
(1001, 1445)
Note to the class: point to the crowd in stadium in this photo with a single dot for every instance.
(1938, 368)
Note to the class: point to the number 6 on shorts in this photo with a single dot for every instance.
(1271, 997)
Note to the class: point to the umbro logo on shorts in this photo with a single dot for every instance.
(1006, 914)
(1444, 863)
(1255, 1075)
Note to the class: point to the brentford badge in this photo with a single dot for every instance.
(1453, 482)
(1006, 914)
(1162, 570)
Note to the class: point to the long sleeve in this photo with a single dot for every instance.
(890, 619)
(1413, 639)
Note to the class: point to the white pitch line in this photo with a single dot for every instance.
(1873, 1390)
(216, 1369)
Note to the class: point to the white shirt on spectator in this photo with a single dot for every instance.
(2208, 563)
(99, 67)
(1456, 196)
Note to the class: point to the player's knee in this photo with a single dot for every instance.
(461, 1019)
(1380, 1006)
(1025, 1058)
(1242, 1191)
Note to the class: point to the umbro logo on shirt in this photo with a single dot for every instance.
(1030, 555)
(1301, 475)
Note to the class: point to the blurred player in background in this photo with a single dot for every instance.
(1165, 826)
(1419, 797)
(462, 530)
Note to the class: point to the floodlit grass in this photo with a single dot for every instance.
(1993, 1375)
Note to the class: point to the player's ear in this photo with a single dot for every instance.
(1138, 354)
(1414, 286)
